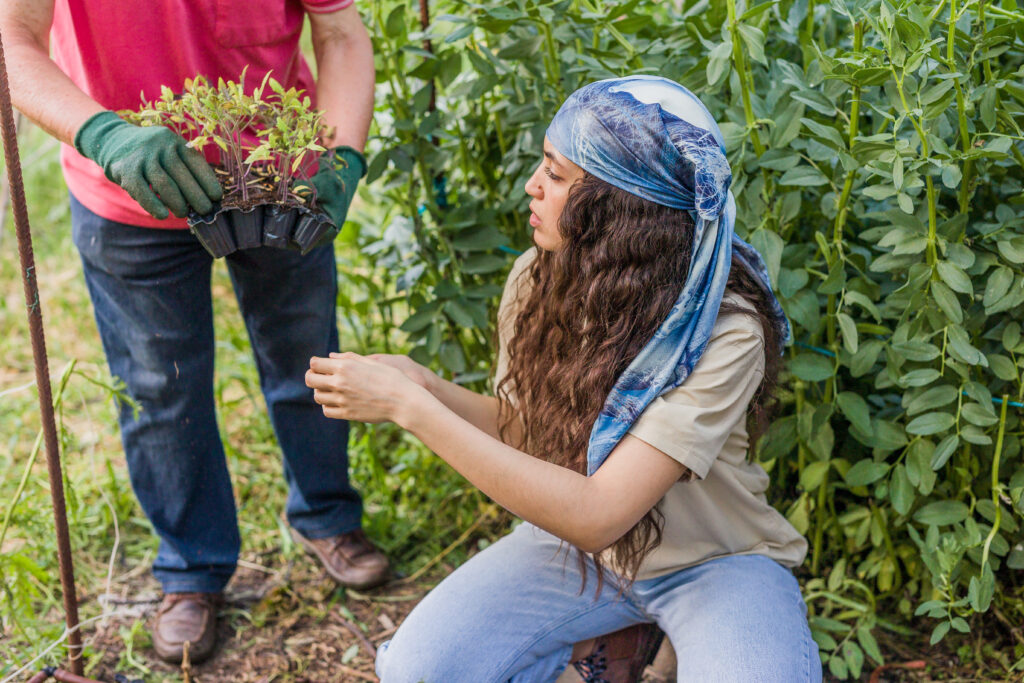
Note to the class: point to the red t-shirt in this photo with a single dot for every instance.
(119, 51)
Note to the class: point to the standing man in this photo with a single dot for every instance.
(149, 278)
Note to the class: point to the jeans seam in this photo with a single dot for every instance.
(551, 628)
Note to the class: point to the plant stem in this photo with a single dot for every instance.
(961, 109)
(819, 522)
(740, 62)
(995, 482)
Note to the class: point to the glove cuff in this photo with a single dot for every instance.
(352, 157)
(89, 136)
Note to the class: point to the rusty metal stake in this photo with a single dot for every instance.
(59, 675)
(35, 321)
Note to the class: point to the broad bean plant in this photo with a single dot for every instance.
(877, 158)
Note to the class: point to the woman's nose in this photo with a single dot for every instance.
(533, 186)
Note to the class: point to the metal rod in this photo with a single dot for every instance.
(59, 675)
(424, 24)
(35, 321)
(68, 677)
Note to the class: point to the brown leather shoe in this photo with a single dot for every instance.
(351, 559)
(190, 617)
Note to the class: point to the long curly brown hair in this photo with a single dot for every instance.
(592, 307)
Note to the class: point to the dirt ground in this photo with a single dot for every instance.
(289, 624)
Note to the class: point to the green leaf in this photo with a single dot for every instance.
(939, 632)
(719, 62)
(976, 414)
(827, 132)
(931, 423)
(838, 668)
(947, 301)
(477, 264)
(919, 471)
(480, 239)
(981, 590)
(960, 346)
(998, 285)
(954, 276)
(856, 410)
(813, 474)
(770, 246)
(942, 513)
(803, 176)
(753, 37)
(1003, 367)
(459, 314)
(916, 350)
(854, 657)
(394, 27)
(452, 357)
(901, 491)
(1012, 249)
(811, 367)
(919, 378)
(849, 330)
(932, 398)
(870, 645)
(866, 472)
(865, 358)
(419, 320)
(888, 436)
(461, 32)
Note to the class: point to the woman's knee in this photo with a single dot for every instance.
(428, 661)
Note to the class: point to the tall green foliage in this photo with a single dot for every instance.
(876, 149)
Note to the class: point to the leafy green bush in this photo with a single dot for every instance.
(877, 166)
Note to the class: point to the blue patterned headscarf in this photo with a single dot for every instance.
(653, 138)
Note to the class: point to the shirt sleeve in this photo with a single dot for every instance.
(325, 6)
(692, 422)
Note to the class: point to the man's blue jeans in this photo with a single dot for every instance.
(512, 613)
(150, 289)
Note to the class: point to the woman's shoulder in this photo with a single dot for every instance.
(741, 326)
(517, 283)
(522, 262)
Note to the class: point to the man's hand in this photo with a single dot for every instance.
(152, 164)
(336, 180)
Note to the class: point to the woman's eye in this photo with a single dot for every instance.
(547, 171)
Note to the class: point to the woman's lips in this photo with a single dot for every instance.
(534, 221)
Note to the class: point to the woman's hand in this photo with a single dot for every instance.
(410, 368)
(353, 387)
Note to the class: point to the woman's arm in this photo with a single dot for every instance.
(589, 512)
(478, 410)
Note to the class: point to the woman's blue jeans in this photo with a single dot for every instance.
(150, 289)
(514, 611)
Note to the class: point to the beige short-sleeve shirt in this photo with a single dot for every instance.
(702, 424)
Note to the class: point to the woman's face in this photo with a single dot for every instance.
(549, 186)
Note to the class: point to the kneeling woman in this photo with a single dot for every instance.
(635, 342)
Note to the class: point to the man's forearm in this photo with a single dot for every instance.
(345, 76)
(39, 89)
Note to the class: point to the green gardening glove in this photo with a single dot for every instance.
(153, 164)
(335, 182)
